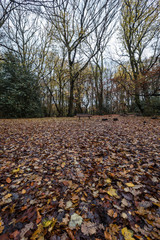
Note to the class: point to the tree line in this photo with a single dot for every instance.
(55, 60)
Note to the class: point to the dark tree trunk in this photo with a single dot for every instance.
(71, 98)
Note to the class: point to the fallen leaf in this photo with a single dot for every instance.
(66, 219)
(1, 225)
(23, 191)
(15, 234)
(46, 223)
(61, 203)
(124, 215)
(8, 180)
(16, 170)
(39, 217)
(38, 233)
(112, 192)
(127, 234)
(69, 204)
(130, 184)
(54, 220)
(114, 229)
(70, 234)
(108, 180)
(75, 198)
(75, 220)
(7, 196)
(24, 230)
(88, 228)
(107, 235)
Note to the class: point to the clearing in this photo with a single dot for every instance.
(80, 179)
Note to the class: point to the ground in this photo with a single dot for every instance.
(80, 179)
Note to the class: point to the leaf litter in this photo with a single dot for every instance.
(87, 179)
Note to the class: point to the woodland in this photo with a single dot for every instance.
(63, 57)
(65, 178)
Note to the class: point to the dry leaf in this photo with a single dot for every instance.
(75, 220)
(61, 203)
(70, 234)
(124, 215)
(110, 212)
(112, 192)
(16, 170)
(23, 191)
(39, 217)
(107, 235)
(88, 228)
(75, 198)
(127, 234)
(66, 219)
(114, 229)
(24, 230)
(1, 226)
(130, 184)
(8, 180)
(7, 196)
(38, 233)
(46, 223)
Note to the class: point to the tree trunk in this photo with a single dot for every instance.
(137, 102)
(71, 98)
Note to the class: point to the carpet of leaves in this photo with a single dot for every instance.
(80, 179)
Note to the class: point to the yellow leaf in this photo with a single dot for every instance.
(16, 170)
(1, 226)
(23, 191)
(127, 234)
(1, 229)
(38, 233)
(108, 180)
(130, 184)
(47, 223)
(63, 164)
(54, 198)
(112, 192)
(113, 229)
(52, 225)
(7, 196)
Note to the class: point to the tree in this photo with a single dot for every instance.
(74, 22)
(19, 90)
(140, 33)
(21, 36)
(7, 6)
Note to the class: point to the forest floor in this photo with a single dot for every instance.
(80, 179)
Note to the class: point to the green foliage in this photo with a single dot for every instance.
(151, 107)
(19, 90)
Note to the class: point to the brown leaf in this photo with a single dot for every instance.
(107, 235)
(8, 180)
(39, 217)
(4, 237)
(70, 234)
(88, 228)
(23, 191)
(15, 234)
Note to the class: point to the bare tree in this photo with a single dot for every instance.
(74, 22)
(139, 34)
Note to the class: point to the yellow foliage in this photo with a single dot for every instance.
(127, 234)
(112, 192)
(130, 184)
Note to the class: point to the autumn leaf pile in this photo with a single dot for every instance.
(80, 179)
